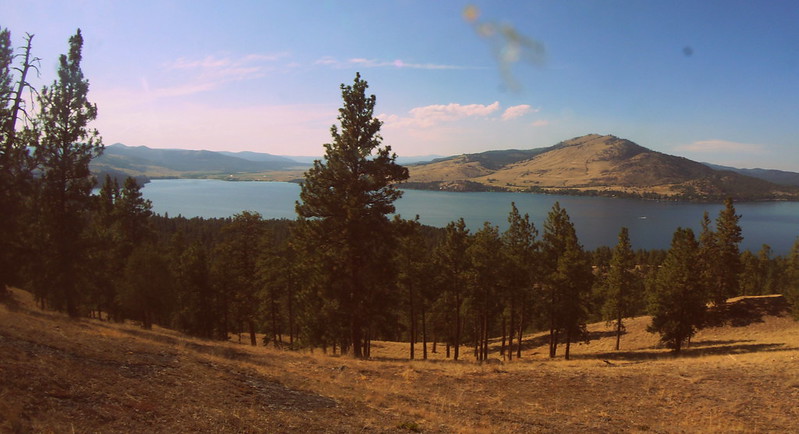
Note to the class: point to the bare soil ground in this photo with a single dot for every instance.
(62, 375)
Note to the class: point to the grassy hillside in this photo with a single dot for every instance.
(594, 163)
(158, 163)
(63, 375)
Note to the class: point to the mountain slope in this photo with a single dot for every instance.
(141, 160)
(606, 164)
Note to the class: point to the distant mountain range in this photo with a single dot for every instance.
(592, 164)
(177, 162)
(120, 161)
(595, 164)
(780, 177)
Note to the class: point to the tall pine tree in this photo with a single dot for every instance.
(522, 252)
(621, 285)
(728, 261)
(452, 262)
(342, 213)
(66, 147)
(15, 162)
(568, 281)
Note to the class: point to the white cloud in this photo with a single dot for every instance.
(541, 123)
(431, 115)
(716, 145)
(517, 111)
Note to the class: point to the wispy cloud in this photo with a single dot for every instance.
(518, 111)
(378, 63)
(716, 145)
(210, 72)
(431, 115)
(327, 60)
(540, 123)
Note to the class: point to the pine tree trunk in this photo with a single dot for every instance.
(504, 331)
(412, 320)
(355, 337)
(424, 335)
(485, 336)
(568, 343)
(618, 331)
(251, 325)
(274, 320)
(521, 331)
(511, 331)
(291, 310)
(457, 342)
(553, 342)
(478, 340)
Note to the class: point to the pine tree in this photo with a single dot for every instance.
(621, 285)
(146, 291)
(728, 237)
(342, 214)
(415, 274)
(15, 162)
(678, 304)
(486, 283)
(521, 251)
(104, 258)
(708, 259)
(568, 280)
(64, 151)
(452, 262)
(132, 213)
(237, 267)
(200, 308)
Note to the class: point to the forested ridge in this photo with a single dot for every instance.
(343, 274)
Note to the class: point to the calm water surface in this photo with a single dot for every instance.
(597, 219)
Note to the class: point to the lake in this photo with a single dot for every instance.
(596, 219)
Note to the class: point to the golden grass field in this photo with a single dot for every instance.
(62, 375)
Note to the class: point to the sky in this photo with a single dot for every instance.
(714, 81)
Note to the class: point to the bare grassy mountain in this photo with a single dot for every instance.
(595, 163)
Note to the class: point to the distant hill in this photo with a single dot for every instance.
(400, 159)
(593, 164)
(120, 161)
(780, 177)
(258, 156)
(159, 163)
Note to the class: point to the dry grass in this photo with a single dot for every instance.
(61, 375)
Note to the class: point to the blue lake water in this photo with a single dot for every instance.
(596, 219)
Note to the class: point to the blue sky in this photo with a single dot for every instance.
(712, 81)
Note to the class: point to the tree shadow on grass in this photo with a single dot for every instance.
(698, 349)
(746, 311)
